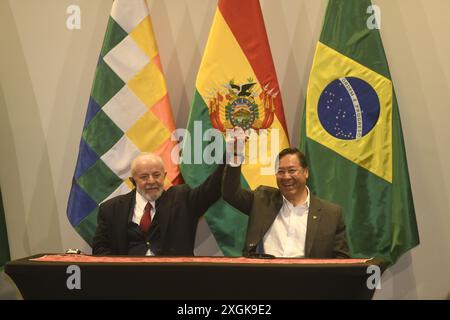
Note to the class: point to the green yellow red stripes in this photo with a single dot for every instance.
(245, 20)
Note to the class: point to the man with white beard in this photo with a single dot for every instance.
(151, 221)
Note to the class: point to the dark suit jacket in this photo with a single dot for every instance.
(178, 210)
(325, 232)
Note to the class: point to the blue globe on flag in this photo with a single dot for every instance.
(348, 108)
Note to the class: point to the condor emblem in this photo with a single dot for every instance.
(245, 105)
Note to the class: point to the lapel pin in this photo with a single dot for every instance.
(314, 217)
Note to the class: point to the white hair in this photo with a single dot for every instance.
(147, 156)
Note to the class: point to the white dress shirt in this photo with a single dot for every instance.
(139, 207)
(286, 237)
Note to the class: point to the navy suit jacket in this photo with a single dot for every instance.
(178, 209)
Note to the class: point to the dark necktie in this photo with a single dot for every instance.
(146, 219)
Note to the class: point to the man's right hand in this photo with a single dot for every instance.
(235, 146)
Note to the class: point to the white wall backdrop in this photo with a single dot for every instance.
(46, 73)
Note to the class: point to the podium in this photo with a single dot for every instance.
(52, 276)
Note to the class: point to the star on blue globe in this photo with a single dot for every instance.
(348, 108)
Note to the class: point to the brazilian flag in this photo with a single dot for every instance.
(352, 135)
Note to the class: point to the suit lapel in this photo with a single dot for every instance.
(125, 207)
(124, 213)
(162, 211)
(314, 216)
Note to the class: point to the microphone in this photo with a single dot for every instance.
(252, 254)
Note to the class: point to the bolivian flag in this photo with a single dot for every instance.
(236, 87)
(352, 134)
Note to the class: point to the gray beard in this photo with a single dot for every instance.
(148, 197)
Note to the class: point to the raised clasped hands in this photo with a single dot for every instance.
(235, 146)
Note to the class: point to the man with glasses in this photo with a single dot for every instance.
(287, 221)
(149, 220)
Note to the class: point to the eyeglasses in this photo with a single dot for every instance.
(155, 175)
(290, 171)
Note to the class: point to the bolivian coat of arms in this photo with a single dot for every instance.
(244, 105)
